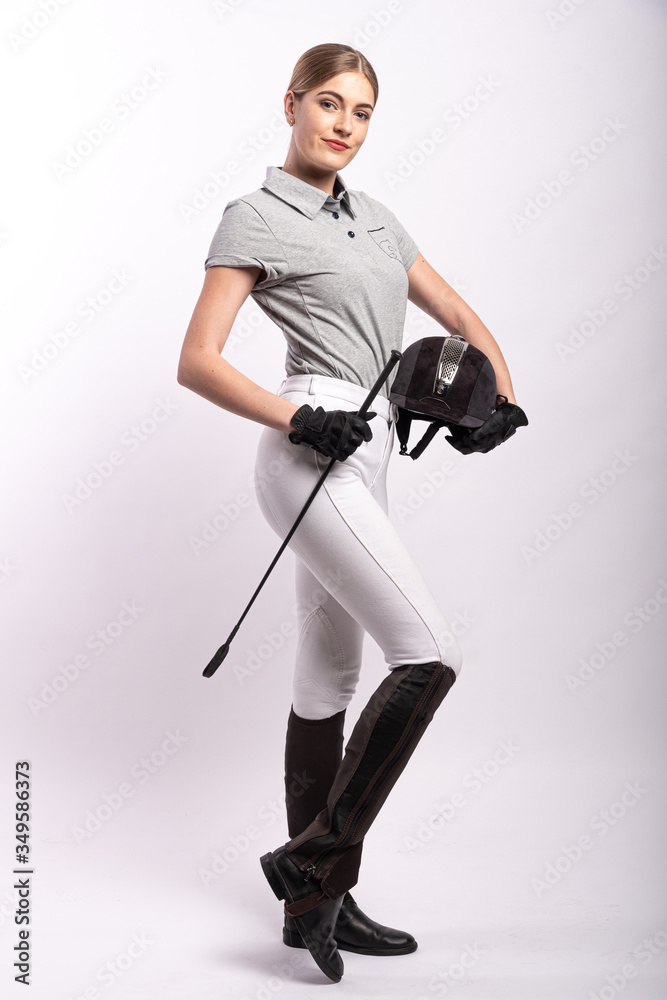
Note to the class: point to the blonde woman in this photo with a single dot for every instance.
(333, 268)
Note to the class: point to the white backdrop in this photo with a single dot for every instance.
(522, 145)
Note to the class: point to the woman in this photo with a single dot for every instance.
(333, 269)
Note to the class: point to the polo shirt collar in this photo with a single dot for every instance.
(303, 196)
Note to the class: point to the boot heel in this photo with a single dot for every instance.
(292, 938)
(271, 873)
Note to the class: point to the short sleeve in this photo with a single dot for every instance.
(243, 239)
(407, 247)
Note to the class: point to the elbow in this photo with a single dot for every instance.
(195, 369)
(184, 375)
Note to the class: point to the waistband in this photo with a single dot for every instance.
(341, 389)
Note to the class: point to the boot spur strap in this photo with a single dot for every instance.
(305, 905)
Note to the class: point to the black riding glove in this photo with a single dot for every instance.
(334, 433)
(500, 426)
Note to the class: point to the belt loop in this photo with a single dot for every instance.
(312, 387)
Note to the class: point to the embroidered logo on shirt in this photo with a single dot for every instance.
(383, 241)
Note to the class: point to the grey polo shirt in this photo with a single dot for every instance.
(333, 272)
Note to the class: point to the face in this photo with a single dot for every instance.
(340, 110)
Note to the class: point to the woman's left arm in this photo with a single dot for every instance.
(437, 299)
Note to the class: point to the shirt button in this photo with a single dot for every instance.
(350, 233)
(335, 215)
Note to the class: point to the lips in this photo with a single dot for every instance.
(335, 145)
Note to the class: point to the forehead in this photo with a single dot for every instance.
(350, 87)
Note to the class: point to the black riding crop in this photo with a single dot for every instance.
(219, 656)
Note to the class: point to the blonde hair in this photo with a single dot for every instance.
(324, 61)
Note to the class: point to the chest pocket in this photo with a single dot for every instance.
(385, 240)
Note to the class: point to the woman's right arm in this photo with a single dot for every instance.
(201, 367)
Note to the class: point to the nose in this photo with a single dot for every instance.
(343, 123)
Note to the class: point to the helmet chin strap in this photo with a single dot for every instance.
(403, 425)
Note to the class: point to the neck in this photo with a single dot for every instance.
(324, 180)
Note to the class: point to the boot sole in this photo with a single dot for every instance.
(282, 891)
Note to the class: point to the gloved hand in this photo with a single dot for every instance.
(334, 433)
(500, 426)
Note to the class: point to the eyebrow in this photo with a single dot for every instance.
(342, 99)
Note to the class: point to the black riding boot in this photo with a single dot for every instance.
(319, 865)
(313, 752)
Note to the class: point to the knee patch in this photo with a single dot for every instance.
(322, 684)
(450, 651)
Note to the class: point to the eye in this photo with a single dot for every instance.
(364, 116)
